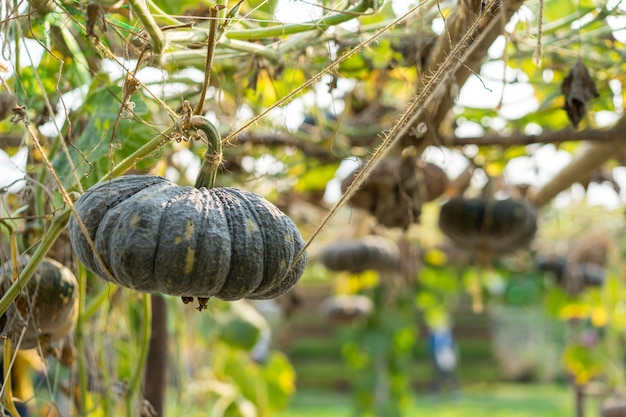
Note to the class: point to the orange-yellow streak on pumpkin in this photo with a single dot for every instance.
(190, 259)
(189, 230)
(134, 220)
(252, 226)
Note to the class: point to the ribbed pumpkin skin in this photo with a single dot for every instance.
(487, 225)
(368, 252)
(47, 306)
(156, 236)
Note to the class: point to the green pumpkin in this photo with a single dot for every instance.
(489, 226)
(156, 236)
(47, 307)
(358, 255)
(347, 308)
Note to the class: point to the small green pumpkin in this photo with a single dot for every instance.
(47, 307)
(156, 236)
(358, 255)
(488, 226)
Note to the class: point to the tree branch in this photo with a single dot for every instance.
(457, 24)
(589, 157)
(284, 139)
(615, 133)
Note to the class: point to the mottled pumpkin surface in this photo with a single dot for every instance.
(357, 255)
(156, 236)
(494, 226)
(47, 307)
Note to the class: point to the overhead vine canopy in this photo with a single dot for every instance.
(89, 83)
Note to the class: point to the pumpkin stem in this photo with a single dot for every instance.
(202, 303)
(213, 155)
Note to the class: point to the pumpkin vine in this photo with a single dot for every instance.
(213, 155)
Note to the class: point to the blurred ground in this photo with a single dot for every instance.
(492, 400)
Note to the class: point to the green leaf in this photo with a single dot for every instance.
(316, 178)
(95, 151)
(241, 326)
(239, 333)
(280, 377)
(582, 362)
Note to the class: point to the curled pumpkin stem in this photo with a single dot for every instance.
(208, 172)
(213, 155)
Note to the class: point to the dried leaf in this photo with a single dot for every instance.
(7, 102)
(578, 88)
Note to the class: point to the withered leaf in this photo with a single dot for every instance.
(578, 88)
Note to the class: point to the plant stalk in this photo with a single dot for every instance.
(7, 387)
(213, 155)
(80, 341)
(133, 386)
(213, 12)
(289, 29)
(156, 34)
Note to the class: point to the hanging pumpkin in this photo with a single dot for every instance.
(488, 226)
(358, 255)
(47, 306)
(346, 308)
(155, 236)
(397, 188)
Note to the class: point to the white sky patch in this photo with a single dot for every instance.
(496, 49)
(438, 26)
(31, 54)
(188, 162)
(489, 91)
(70, 101)
(602, 195)
(618, 101)
(533, 129)
(293, 11)
(468, 128)
(263, 165)
(451, 161)
(537, 169)
(13, 170)
(332, 193)
(605, 118)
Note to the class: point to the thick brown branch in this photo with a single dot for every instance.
(589, 157)
(456, 25)
(520, 139)
(284, 139)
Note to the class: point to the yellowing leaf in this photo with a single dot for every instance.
(316, 178)
(582, 363)
(574, 311)
(599, 317)
(435, 257)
